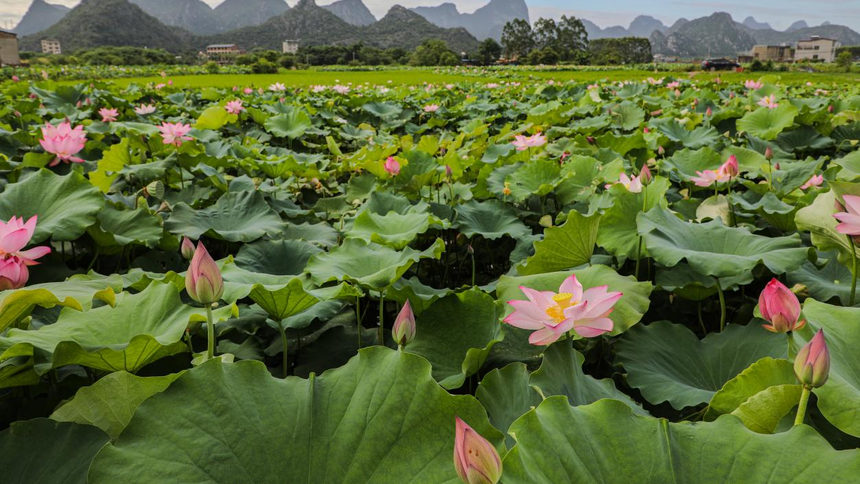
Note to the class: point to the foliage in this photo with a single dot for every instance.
(625, 50)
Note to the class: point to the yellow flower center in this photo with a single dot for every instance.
(562, 301)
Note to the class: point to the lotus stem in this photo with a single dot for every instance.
(639, 244)
(381, 330)
(854, 271)
(722, 305)
(801, 406)
(285, 344)
(210, 332)
(473, 265)
(770, 175)
(358, 319)
(701, 321)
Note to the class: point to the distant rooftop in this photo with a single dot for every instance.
(816, 37)
(8, 32)
(220, 46)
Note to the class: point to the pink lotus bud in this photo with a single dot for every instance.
(830, 108)
(645, 175)
(661, 151)
(780, 307)
(448, 171)
(709, 112)
(13, 273)
(646, 130)
(768, 153)
(392, 166)
(187, 248)
(203, 280)
(403, 331)
(590, 139)
(812, 364)
(730, 167)
(475, 459)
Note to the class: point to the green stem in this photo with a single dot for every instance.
(358, 319)
(701, 321)
(801, 407)
(473, 266)
(210, 332)
(769, 175)
(722, 305)
(854, 272)
(381, 331)
(188, 342)
(284, 343)
(639, 245)
(732, 222)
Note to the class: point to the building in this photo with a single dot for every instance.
(9, 48)
(51, 47)
(768, 53)
(816, 48)
(222, 53)
(291, 47)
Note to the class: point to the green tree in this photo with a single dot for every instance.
(517, 38)
(489, 51)
(546, 33)
(845, 60)
(625, 50)
(571, 39)
(433, 52)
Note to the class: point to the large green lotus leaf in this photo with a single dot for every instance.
(850, 164)
(818, 220)
(668, 363)
(687, 162)
(367, 264)
(621, 144)
(42, 451)
(716, 250)
(617, 232)
(535, 178)
(420, 295)
(278, 257)
(764, 411)
(110, 402)
(627, 115)
(455, 334)
(838, 398)
(283, 302)
(292, 124)
(697, 138)
(759, 376)
(214, 117)
(375, 420)
(683, 281)
(606, 443)
(383, 110)
(491, 219)
(124, 227)
(139, 330)
(66, 205)
(832, 280)
(767, 123)
(564, 247)
(78, 293)
(507, 395)
(392, 229)
(236, 217)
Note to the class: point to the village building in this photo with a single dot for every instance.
(816, 48)
(51, 47)
(291, 47)
(223, 53)
(9, 48)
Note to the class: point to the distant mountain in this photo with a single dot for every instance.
(840, 33)
(351, 11)
(484, 22)
(94, 23)
(192, 15)
(644, 26)
(234, 14)
(756, 25)
(40, 16)
(404, 28)
(800, 24)
(715, 35)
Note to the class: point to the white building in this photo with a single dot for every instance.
(816, 49)
(51, 47)
(8, 48)
(291, 46)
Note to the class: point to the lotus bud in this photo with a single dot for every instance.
(403, 331)
(661, 151)
(780, 307)
(203, 280)
(768, 153)
(709, 112)
(154, 189)
(392, 166)
(812, 364)
(646, 130)
(475, 459)
(730, 167)
(187, 248)
(448, 171)
(830, 108)
(590, 139)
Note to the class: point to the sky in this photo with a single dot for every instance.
(779, 13)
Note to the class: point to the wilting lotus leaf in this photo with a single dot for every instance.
(455, 334)
(110, 402)
(65, 205)
(767, 123)
(490, 219)
(235, 217)
(668, 363)
(838, 398)
(564, 247)
(714, 249)
(367, 264)
(392, 229)
(617, 232)
(244, 426)
(42, 451)
(606, 443)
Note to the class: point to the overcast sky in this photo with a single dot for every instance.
(779, 13)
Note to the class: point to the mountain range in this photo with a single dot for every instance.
(40, 16)
(484, 22)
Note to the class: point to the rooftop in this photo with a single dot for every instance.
(220, 46)
(4, 31)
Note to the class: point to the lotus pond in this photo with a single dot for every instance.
(517, 281)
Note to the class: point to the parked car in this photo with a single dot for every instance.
(719, 65)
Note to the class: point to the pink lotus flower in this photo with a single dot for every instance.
(108, 115)
(403, 330)
(159, 86)
(730, 167)
(769, 102)
(633, 185)
(815, 181)
(553, 314)
(751, 84)
(15, 235)
(523, 143)
(431, 108)
(63, 141)
(850, 219)
(812, 363)
(13, 273)
(174, 133)
(234, 107)
(277, 87)
(144, 109)
(203, 280)
(709, 177)
(341, 89)
(673, 85)
(248, 90)
(780, 307)
(475, 459)
(392, 166)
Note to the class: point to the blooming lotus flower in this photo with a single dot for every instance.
(523, 143)
(248, 90)
(159, 86)
(203, 280)
(63, 141)
(392, 166)
(815, 181)
(751, 84)
(780, 307)
(15, 235)
(431, 108)
(108, 115)
(175, 133)
(15, 79)
(633, 185)
(553, 314)
(673, 85)
(403, 330)
(277, 87)
(144, 109)
(769, 102)
(812, 363)
(234, 107)
(709, 177)
(341, 89)
(187, 248)
(850, 218)
(475, 459)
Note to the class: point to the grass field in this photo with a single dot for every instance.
(416, 76)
